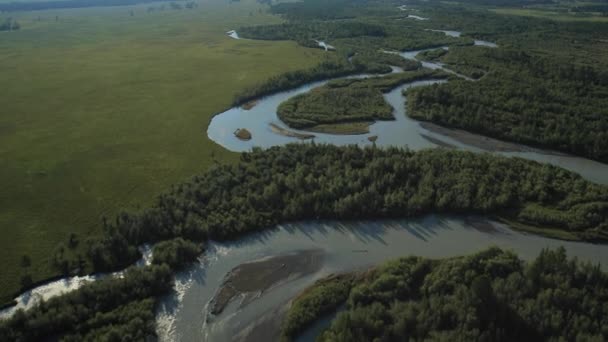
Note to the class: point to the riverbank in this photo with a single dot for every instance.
(422, 290)
(251, 280)
(349, 246)
(343, 128)
(482, 142)
(289, 133)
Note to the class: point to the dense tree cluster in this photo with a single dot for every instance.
(297, 182)
(431, 55)
(9, 24)
(306, 33)
(176, 253)
(319, 107)
(346, 100)
(305, 181)
(324, 297)
(523, 98)
(488, 296)
(315, 9)
(371, 60)
(111, 309)
(333, 66)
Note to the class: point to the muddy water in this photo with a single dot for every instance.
(346, 246)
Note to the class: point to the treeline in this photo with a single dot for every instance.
(46, 5)
(431, 55)
(323, 298)
(305, 181)
(305, 33)
(315, 9)
(9, 24)
(111, 309)
(299, 182)
(333, 66)
(523, 98)
(346, 100)
(328, 105)
(488, 296)
(117, 308)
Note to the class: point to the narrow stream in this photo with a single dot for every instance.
(403, 131)
(51, 289)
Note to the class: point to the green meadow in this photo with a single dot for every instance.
(100, 111)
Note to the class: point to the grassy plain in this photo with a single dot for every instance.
(101, 111)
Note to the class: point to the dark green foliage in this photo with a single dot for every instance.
(367, 60)
(328, 105)
(112, 309)
(346, 100)
(431, 55)
(525, 99)
(334, 66)
(386, 83)
(489, 296)
(325, 296)
(305, 181)
(306, 33)
(176, 253)
(9, 25)
(315, 9)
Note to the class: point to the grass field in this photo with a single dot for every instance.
(102, 111)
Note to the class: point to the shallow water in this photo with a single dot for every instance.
(403, 131)
(51, 289)
(416, 17)
(233, 34)
(449, 33)
(325, 46)
(347, 246)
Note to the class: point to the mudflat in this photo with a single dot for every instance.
(251, 279)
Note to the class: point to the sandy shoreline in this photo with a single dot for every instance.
(251, 279)
(479, 141)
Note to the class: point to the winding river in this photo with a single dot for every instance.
(403, 131)
(30, 298)
(345, 246)
(348, 245)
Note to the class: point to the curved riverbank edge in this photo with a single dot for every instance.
(58, 285)
(349, 246)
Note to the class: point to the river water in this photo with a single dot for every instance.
(346, 246)
(30, 298)
(403, 131)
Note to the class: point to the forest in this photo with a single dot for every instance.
(299, 182)
(523, 98)
(358, 100)
(306, 32)
(304, 181)
(308, 181)
(489, 296)
(111, 309)
(9, 24)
